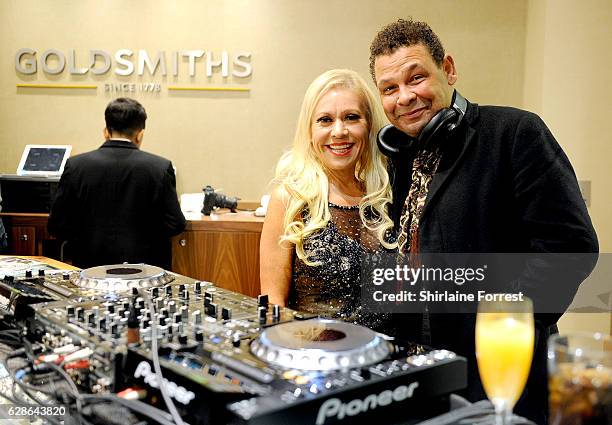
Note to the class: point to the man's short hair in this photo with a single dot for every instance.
(125, 116)
(404, 34)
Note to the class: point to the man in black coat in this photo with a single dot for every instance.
(477, 179)
(118, 204)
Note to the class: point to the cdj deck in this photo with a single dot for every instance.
(226, 358)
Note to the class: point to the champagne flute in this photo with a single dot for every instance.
(504, 350)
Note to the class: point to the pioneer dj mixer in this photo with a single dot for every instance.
(228, 358)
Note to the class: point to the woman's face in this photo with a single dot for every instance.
(339, 129)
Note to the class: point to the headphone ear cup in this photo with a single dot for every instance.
(393, 142)
(439, 124)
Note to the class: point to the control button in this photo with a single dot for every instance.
(355, 376)
(301, 380)
(226, 313)
(377, 371)
(276, 312)
(262, 314)
(303, 316)
(211, 310)
(172, 307)
(262, 301)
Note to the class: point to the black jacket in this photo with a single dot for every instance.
(504, 185)
(117, 204)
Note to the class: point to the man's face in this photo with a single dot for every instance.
(412, 87)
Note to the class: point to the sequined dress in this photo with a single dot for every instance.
(333, 288)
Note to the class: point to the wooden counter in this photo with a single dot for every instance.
(222, 248)
(27, 232)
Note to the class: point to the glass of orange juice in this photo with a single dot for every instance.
(504, 349)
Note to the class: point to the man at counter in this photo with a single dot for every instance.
(476, 179)
(117, 203)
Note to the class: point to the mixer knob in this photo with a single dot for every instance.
(159, 304)
(70, 311)
(197, 288)
(66, 276)
(262, 301)
(28, 273)
(185, 313)
(197, 317)
(41, 272)
(9, 278)
(134, 291)
(111, 308)
(208, 295)
(182, 339)
(177, 317)
(154, 292)
(95, 310)
(102, 324)
(236, 341)
(199, 336)
(169, 291)
(125, 305)
(261, 313)
(226, 313)
(172, 307)
(211, 310)
(276, 312)
(80, 314)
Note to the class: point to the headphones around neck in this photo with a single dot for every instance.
(393, 142)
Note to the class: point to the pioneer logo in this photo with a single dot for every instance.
(335, 408)
(179, 393)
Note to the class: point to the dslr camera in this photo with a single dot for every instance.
(217, 200)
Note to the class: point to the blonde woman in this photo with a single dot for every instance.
(328, 206)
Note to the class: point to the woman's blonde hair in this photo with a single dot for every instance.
(302, 176)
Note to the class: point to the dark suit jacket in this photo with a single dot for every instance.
(504, 185)
(117, 204)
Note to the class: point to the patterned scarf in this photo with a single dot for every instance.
(424, 167)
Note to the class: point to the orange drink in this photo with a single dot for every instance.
(504, 350)
(504, 347)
